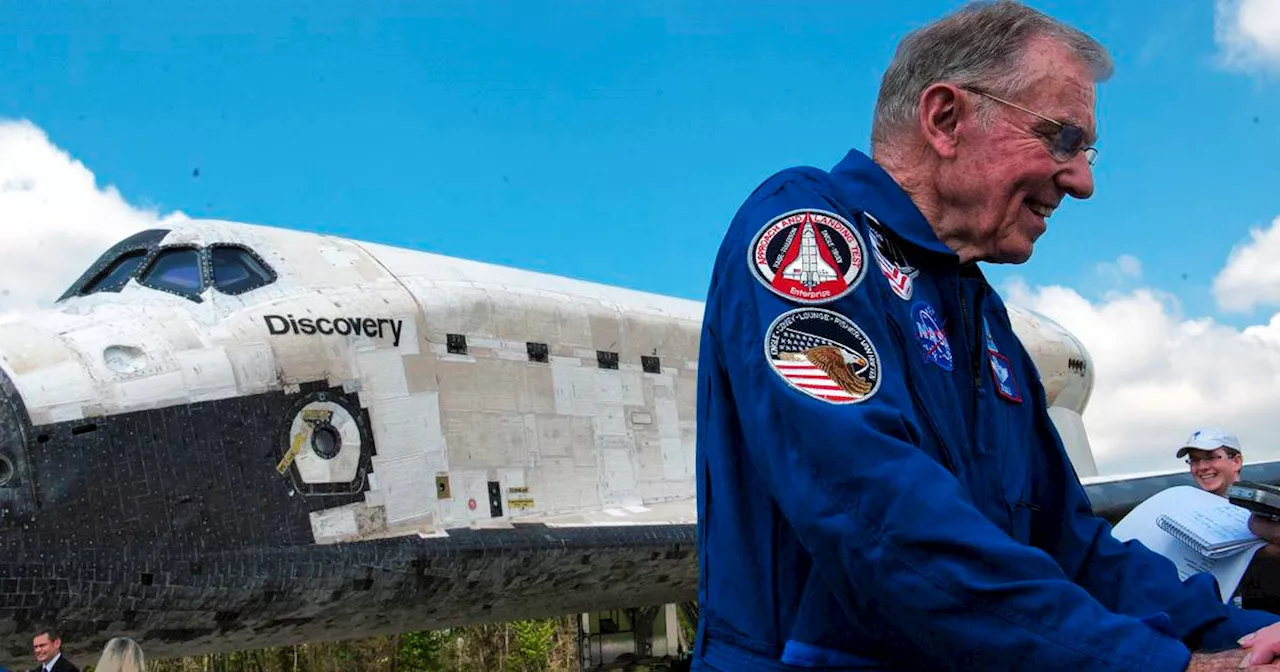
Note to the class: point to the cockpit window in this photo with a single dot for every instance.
(182, 269)
(177, 270)
(236, 270)
(117, 275)
(118, 263)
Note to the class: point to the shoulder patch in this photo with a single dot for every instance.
(1001, 370)
(808, 256)
(986, 332)
(932, 336)
(824, 355)
(893, 263)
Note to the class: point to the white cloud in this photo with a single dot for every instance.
(1125, 267)
(1159, 374)
(54, 218)
(1129, 266)
(1248, 33)
(1252, 274)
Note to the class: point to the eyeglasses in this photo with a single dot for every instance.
(1064, 143)
(1212, 458)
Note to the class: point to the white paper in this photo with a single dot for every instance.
(1141, 525)
(1208, 521)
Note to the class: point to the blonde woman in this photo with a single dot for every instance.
(121, 654)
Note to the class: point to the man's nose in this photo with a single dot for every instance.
(1076, 177)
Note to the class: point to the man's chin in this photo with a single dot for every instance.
(1011, 255)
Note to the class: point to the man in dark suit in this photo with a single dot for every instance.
(48, 648)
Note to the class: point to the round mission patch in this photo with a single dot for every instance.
(824, 355)
(808, 256)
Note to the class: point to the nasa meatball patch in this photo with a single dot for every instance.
(893, 263)
(931, 337)
(824, 355)
(808, 256)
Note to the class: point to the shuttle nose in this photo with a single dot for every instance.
(17, 500)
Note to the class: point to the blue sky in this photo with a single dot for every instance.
(606, 141)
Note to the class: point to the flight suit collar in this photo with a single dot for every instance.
(876, 192)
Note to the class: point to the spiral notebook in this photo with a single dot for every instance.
(1212, 526)
(1190, 513)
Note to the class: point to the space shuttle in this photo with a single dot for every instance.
(809, 268)
(227, 436)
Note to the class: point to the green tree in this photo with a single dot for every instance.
(421, 651)
(534, 642)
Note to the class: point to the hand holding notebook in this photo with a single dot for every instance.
(1209, 524)
(1193, 513)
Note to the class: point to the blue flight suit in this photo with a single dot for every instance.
(879, 483)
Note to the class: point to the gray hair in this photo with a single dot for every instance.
(981, 44)
(121, 654)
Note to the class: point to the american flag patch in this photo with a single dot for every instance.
(893, 263)
(824, 355)
(808, 377)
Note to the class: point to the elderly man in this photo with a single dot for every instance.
(1215, 459)
(880, 485)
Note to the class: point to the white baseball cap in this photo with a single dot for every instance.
(1210, 438)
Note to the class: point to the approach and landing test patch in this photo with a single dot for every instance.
(824, 355)
(931, 336)
(893, 263)
(809, 256)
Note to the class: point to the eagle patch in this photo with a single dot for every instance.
(824, 355)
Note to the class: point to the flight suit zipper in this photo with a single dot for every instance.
(972, 326)
(972, 339)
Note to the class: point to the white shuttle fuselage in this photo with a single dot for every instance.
(577, 399)
(209, 402)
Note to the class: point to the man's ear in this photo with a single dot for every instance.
(941, 108)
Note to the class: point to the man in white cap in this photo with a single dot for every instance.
(1215, 459)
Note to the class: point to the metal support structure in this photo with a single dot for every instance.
(646, 638)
